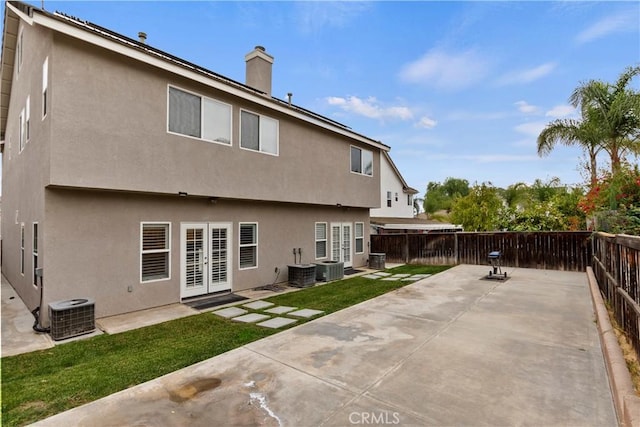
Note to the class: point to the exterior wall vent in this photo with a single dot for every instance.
(71, 318)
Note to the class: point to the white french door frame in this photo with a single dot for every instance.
(206, 265)
(342, 243)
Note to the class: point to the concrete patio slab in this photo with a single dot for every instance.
(277, 322)
(281, 309)
(18, 335)
(230, 312)
(422, 355)
(251, 318)
(258, 305)
(305, 312)
(142, 318)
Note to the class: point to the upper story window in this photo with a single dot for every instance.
(409, 201)
(27, 119)
(361, 161)
(45, 86)
(388, 199)
(21, 137)
(199, 116)
(258, 133)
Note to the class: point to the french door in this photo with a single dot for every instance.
(205, 258)
(341, 247)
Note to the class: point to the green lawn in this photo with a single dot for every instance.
(40, 384)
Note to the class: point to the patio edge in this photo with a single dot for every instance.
(626, 402)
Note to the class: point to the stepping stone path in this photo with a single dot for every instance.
(266, 309)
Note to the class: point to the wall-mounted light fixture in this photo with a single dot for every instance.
(213, 200)
(182, 193)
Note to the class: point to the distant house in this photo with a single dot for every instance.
(396, 213)
(139, 179)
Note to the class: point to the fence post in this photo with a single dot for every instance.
(455, 248)
(406, 248)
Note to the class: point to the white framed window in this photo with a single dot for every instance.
(359, 235)
(388, 199)
(361, 161)
(45, 87)
(248, 246)
(258, 133)
(35, 253)
(396, 197)
(155, 251)
(27, 119)
(321, 240)
(22, 248)
(409, 201)
(190, 114)
(21, 137)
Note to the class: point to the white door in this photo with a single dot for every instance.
(205, 261)
(341, 243)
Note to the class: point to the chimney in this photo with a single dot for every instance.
(259, 64)
(142, 37)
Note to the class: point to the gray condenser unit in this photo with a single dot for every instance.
(72, 317)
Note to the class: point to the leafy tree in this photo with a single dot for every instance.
(440, 196)
(479, 210)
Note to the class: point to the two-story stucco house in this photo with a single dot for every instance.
(139, 179)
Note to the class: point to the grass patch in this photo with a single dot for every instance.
(40, 384)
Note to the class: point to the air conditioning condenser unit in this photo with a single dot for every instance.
(72, 317)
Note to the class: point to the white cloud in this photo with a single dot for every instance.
(310, 17)
(525, 107)
(620, 22)
(446, 70)
(426, 122)
(560, 111)
(531, 128)
(526, 76)
(370, 108)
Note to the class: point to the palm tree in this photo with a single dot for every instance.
(610, 122)
(615, 111)
(573, 132)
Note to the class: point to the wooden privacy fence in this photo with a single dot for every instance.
(570, 250)
(616, 261)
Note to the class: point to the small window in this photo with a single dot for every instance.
(321, 240)
(361, 161)
(388, 199)
(155, 244)
(258, 133)
(199, 117)
(396, 197)
(21, 137)
(27, 113)
(35, 253)
(409, 201)
(22, 248)
(45, 86)
(248, 245)
(359, 235)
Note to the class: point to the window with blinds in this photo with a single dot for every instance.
(199, 117)
(155, 251)
(248, 245)
(258, 133)
(321, 240)
(359, 235)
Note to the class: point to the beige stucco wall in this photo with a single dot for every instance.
(110, 132)
(93, 242)
(24, 174)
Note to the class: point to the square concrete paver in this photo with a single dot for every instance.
(250, 318)
(382, 273)
(230, 312)
(421, 276)
(280, 309)
(277, 322)
(258, 305)
(401, 275)
(305, 312)
(390, 279)
(371, 276)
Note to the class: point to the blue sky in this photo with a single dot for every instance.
(458, 89)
